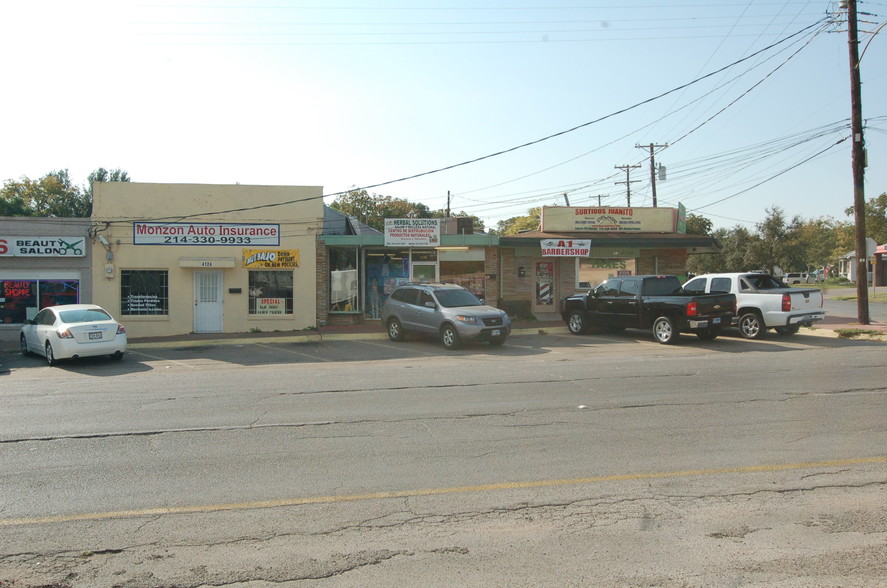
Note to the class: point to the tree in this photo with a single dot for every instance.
(875, 218)
(698, 225)
(734, 243)
(103, 175)
(771, 247)
(516, 224)
(52, 195)
(372, 210)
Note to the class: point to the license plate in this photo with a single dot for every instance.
(95, 335)
(716, 321)
(494, 333)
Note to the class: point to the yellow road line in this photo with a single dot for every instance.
(148, 512)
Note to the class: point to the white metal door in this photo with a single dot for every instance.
(208, 302)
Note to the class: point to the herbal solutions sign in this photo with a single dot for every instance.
(412, 232)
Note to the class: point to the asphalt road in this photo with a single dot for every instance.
(551, 461)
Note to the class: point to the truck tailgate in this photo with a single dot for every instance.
(715, 304)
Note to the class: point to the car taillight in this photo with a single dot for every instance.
(786, 303)
(66, 334)
(120, 330)
(692, 309)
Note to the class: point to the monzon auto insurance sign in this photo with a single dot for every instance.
(151, 233)
(566, 247)
(42, 247)
(412, 232)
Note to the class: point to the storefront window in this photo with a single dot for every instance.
(144, 292)
(385, 270)
(468, 274)
(270, 292)
(344, 280)
(22, 299)
(592, 271)
(18, 297)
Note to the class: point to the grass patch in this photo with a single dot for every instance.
(853, 333)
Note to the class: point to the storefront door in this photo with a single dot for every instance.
(208, 302)
(424, 271)
(544, 295)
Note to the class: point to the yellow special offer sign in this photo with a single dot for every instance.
(270, 258)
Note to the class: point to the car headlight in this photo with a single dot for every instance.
(467, 319)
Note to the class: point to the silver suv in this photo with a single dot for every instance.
(449, 311)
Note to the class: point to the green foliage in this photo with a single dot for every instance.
(517, 224)
(53, 195)
(875, 218)
(372, 210)
(698, 225)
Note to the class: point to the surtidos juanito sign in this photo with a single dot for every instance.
(611, 219)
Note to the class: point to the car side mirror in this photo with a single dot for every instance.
(430, 304)
(30, 322)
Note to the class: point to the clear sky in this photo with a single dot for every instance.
(356, 93)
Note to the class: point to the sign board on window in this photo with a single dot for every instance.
(270, 258)
(270, 306)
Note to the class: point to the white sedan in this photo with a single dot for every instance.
(73, 331)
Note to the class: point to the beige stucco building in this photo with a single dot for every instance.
(171, 259)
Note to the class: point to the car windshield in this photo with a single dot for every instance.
(86, 315)
(453, 298)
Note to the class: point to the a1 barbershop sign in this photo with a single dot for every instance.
(42, 247)
(566, 247)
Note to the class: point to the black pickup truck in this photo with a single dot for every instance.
(642, 302)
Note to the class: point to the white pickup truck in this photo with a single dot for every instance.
(763, 302)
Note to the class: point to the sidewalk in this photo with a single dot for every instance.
(830, 327)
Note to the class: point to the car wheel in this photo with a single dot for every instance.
(24, 343)
(50, 356)
(787, 331)
(395, 330)
(497, 341)
(709, 334)
(449, 337)
(118, 355)
(751, 326)
(577, 323)
(664, 331)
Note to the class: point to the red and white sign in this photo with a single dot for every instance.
(566, 247)
(144, 233)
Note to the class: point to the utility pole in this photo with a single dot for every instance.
(652, 167)
(858, 164)
(628, 181)
(448, 204)
(567, 200)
